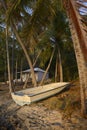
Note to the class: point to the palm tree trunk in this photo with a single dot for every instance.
(21, 71)
(79, 41)
(33, 66)
(56, 69)
(16, 71)
(37, 58)
(81, 70)
(26, 81)
(59, 70)
(41, 83)
(8, 64)
(22, 45)
(12, 68)
(26, 54)
(60, 66)
(5, 74)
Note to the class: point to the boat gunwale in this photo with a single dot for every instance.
(45, 91)
(32, 94)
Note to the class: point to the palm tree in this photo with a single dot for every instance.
(78, 29)
(8, 63)
(79, 37)
(21, 43)
(41, 83)
(26, 54)
(60, 67)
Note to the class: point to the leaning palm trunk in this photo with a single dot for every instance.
(25, 85)
(37, 58)
(22, 45)
(8, 64)
(81, 70)
(79, 40)
(26, 54)
(43, 78)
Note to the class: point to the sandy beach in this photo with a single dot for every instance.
(37, 116)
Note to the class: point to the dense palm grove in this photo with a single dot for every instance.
(36, 33)
(43, 32)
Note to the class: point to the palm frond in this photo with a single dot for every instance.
(40, 16)
(15, 9)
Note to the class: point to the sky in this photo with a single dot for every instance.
(83, 10)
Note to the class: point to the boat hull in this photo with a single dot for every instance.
(37, 93)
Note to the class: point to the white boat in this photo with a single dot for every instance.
(30, 95)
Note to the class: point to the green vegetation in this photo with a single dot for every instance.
(43, 26)
(38, 32)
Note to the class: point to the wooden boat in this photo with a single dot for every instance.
(30, 95)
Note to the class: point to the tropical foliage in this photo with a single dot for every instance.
(43, 27)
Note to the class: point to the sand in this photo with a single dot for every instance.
(35, 116)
